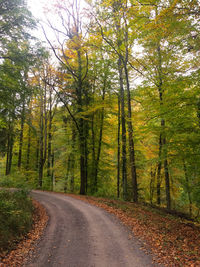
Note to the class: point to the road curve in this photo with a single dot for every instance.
(81, 235)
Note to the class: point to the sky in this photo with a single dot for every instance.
(36, 8)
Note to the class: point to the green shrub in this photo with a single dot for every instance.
(15, 217)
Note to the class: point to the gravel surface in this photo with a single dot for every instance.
(81, 235)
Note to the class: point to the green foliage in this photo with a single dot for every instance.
(69, 112)
(15, 217)
(25, 181)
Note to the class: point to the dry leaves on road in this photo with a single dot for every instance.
(173, 241)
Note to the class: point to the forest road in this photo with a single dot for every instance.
(79, 234)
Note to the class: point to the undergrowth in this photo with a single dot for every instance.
(15, 218)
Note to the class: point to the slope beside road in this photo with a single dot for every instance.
(81, 235)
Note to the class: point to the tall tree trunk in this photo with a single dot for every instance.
(130, 126)
(72, 159)
(10, 142)
(94, 184)
(188, 188)
(131, 142)
(37, 154)
(118, 148)
(10, 153)
(45, 123)
(100, 138)
(163, 134)
(198, 110)
(49, 137)
(7, 151)
(159, 170)
(28, 149)
(167, 184)
(86, 155)
(79, 88)
(41, 144)
(21, 136)
(124, 167)
(152, 182)
(82, 158)
(52, 171)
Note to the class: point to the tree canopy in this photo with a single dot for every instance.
(112, 108)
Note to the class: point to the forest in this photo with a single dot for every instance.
(109, 106)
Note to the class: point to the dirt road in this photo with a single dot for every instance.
(81, 235)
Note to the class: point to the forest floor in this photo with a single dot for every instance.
(173, 241)
(82, 235)
(16, 256)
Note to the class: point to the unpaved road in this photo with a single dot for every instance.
(81, 235)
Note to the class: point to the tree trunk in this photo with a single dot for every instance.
(188, 188)
(41, 144)
(167, 185)
(94, 183)
(152, 182)
(21, 136)
(72, 159)
(79, 88)
(100, 139)
(124, 168)
(49, 138)
(37, 155)
(159, 170)
(118, 148)
(9, 153)
(131, 142)
(163, 134)
(82, 158)
(28, 149)
(52, 171)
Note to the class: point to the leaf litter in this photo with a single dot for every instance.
(173, 241)
(18, 256)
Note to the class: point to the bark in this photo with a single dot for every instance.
(100, 139)
(52, 171)
(159, 170)
(163, 134)
(37, 155)
(131, 142)
(21, 136)
(67, 174)
(49, 136)
(41, 144)
(93, 189)
(130, 126)
(28, 149)
(9, 152)
(86, 155)
(72, 160)
(152, 182)
(82, 158)
(79, 89)
(45, 123)
(118, 149)
(198, 111)
(124, 167)
(167, 185)
(188, 188)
